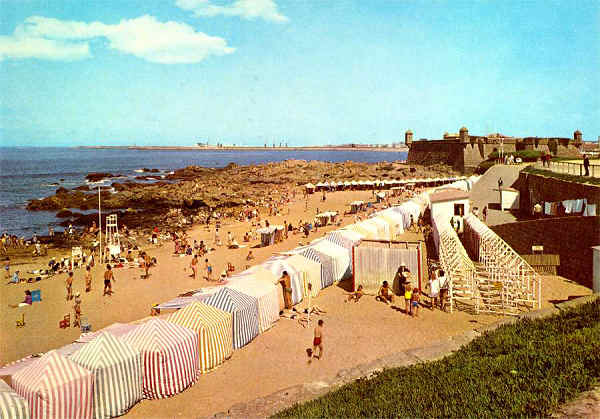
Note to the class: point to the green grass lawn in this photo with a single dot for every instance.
(523, 369)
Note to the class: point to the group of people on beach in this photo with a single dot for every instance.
(438, 291)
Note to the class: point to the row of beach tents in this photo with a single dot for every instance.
(104, 373)
(380, 184)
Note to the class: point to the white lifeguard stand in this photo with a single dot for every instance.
(113, 241)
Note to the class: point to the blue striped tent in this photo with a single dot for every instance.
(12, 406)
(346, 239)
(117, 369)
(311, 253)
(244, 309)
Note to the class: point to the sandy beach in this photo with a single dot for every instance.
(355, 333)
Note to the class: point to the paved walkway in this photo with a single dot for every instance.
(483, 192)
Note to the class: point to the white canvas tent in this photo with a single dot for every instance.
(276, 264)
(264, 292)
(378, 262)
(311, 273)
(334, 260)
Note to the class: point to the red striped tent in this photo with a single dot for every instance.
(56, 387)
(169, 357)
(214, 328)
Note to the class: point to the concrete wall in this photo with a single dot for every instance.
(570, 237)
(535, 188)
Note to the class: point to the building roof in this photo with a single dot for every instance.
(448, 195)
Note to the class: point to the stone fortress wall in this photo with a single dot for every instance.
(464, 152)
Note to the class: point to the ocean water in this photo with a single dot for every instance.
(32, 173)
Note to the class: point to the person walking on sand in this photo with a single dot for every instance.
(108, 277)
(69, 284)
(194, 266)
(318, 340)
(88, 279)
(147, 263)
(208, 268)
(77, 309)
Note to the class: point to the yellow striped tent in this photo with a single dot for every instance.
(215, 330)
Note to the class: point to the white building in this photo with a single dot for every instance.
(450, 204)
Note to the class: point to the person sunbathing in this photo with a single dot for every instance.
(355, 296)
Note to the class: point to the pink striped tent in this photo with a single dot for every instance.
(56, 387)
(169, 356)
(214, 327)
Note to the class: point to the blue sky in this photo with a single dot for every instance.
(173, 72)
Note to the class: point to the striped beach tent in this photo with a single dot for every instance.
(169, 357)
(56, 387)
(214, 328)
(12, 406)
(309, 252)
(276, 264)
(345, 238)
(383, 228)
(310, 271)
(260, 273)
(334, 260)
(244, 309)
(266, 295)
(394, 221)
(118, 374)
(369, 230)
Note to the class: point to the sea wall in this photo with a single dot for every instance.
(569, 237)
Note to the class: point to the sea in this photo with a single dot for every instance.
(35, 172)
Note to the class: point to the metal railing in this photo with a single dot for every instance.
(570, 168)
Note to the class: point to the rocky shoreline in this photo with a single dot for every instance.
(197, 191)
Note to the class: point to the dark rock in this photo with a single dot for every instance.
(97, 176)
(82, 188)
(64, 214)
(61, 191)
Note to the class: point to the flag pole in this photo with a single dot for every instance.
(100, 224)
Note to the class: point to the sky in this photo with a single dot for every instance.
(301, 72)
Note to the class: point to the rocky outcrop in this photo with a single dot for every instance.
(97, 176)
(197, 190)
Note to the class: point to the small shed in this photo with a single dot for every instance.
(448, 203)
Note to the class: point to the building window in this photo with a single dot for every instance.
(459, 209)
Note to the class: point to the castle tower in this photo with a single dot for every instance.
(578, 137)
(463, 135)
(408, 138)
